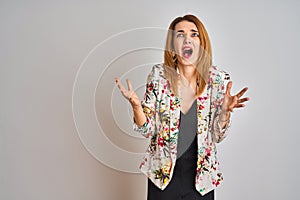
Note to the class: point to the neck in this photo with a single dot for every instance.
(188, 72)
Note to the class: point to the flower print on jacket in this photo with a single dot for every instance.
(162, 110)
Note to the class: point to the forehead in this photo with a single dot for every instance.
(185, 26)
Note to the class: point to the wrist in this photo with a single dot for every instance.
(224, 116)
(136, 107)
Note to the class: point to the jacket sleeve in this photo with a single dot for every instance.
(149, 104)
(219, 89)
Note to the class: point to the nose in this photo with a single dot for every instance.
(187, 40)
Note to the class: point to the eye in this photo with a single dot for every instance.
(195, 34)
(180, 35)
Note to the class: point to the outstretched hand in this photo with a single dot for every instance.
(232, 102)
(129, 93)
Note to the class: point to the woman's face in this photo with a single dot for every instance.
(186, 43)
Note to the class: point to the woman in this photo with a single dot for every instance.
(185, 112)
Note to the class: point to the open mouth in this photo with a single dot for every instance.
(187, 52)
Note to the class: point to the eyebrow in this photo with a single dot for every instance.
(181, 31)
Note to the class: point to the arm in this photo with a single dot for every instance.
(221, 120)
(139, 116)
(228, 104)
(148, 105)
(144, 112)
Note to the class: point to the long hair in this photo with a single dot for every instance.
(203, 62)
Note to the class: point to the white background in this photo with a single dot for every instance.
(43, 46)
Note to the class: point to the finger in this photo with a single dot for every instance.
(129, 85)
(242, 92)
(239, 105)
(243, 100)
(117, 80)
(230, 109)
(228, 88)
(120, 86)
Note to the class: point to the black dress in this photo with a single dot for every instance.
(182, 185)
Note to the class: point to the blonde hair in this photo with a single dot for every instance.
(203, 62)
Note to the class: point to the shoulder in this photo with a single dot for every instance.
(217, 75)
(158, 68)
(158, 71)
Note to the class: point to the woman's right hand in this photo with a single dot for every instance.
(129, 94)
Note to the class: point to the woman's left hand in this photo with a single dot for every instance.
(232, 102)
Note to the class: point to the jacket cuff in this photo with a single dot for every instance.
(142, 129)
(222, 132)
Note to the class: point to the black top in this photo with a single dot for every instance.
(187, 129)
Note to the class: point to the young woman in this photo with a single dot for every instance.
(185, 111)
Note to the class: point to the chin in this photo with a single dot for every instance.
(187, 63)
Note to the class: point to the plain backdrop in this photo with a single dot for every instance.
(58, 61)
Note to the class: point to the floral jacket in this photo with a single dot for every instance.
(162, 110)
